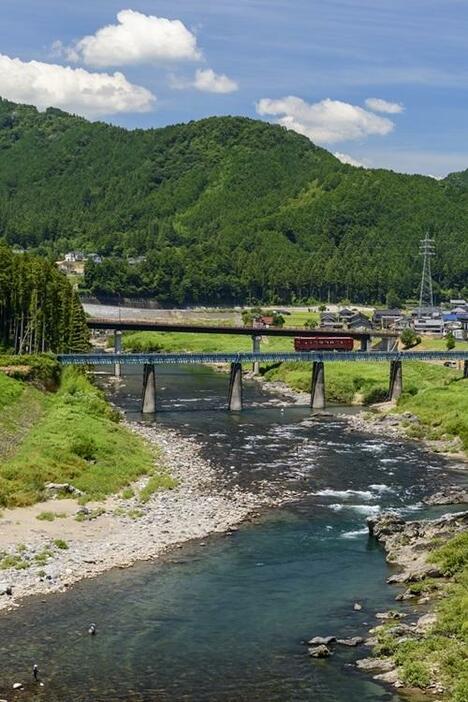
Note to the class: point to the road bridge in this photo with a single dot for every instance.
(148, 325)
(150, 361)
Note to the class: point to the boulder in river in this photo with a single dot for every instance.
(321, 651)
(391, 614)
(321, 640)
(385, 524)
(353, 641)
(451, 495)
(382, 664)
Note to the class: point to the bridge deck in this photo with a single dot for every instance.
(98, 359)
(146, 325)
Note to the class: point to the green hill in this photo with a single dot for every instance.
(224, 209)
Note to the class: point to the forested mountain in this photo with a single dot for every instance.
(224, 209)
(39, 310)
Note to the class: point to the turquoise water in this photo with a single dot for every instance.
(224, 620)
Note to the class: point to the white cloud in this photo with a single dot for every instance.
(379, 105)
(346, 158)
(205, 80)
(209, 81)
(137, 38)
(74, 89)
(325, 122)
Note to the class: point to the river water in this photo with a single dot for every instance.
(223, 620)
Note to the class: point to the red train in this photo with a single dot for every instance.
(323, 343)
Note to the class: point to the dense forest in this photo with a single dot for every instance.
(39, 310)
(225, 209)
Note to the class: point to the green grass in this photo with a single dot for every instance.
(61, 544)
(13, 561)
(78, 440)
(42, 369)
(141, 342)
(212, 343)
(10, 391)
(442, 409)
(430, 344)
(369, 380)
(452, 557)
(50, 516)
(21, 405)
(155, 483)
(445, 648)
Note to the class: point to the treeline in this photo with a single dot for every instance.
(224, 210)
(39, 310)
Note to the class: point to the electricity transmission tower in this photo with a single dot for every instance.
(426, 250)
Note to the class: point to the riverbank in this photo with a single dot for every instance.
(428, 650)
(46, 556)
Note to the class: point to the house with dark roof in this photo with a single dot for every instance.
(384, 319)
(359, 321)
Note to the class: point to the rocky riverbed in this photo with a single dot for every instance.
(49, 557)
(408, 546)
(379, 421)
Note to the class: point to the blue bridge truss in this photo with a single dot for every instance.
(106, 359)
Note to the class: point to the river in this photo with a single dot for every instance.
(223, 620)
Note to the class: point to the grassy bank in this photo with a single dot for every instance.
(147, 342)
(76, 439)
(366, 382)
(442, 409)
(442, 654)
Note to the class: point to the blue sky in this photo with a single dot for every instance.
(250, 57)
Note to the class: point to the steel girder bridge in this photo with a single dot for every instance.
(149, 361)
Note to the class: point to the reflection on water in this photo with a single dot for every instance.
(224, 621)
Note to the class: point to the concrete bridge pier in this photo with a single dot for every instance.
(148, 405)
(317, 390)
(364, 343)
(256, 349)
(235, 388)
(117, 349)
(396, 380)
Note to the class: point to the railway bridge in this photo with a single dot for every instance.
(388, 339)
(150, 362)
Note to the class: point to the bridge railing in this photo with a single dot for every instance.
(273, 357)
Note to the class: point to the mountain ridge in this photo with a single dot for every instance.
(224, 208)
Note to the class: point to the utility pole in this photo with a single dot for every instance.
(426, 250)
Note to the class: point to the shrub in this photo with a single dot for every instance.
(375, 394)
(415, 673)
(50, 516)
(452, 557)
(85, 447)
(408, 337)
(60, 543)
(155, 483)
